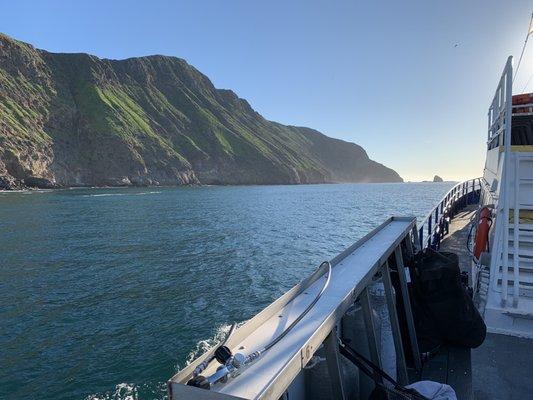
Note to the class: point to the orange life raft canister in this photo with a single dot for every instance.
(482, 232)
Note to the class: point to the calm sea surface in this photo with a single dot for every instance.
(105, 292)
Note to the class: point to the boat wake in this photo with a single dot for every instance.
(132, 391)
(207, 344)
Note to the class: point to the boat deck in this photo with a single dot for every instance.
(455, 241)
(452, 365)
(500, 369)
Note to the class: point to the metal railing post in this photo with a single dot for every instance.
(429, 229)
(407, 308)
(409, 247)
(331, 345)
(415, 237)
(436, 238)
(368, 316)
(395, 326)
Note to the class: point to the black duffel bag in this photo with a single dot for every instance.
(442, 306)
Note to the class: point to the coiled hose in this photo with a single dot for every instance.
(231, 363)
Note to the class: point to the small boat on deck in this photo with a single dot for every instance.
(300, 346)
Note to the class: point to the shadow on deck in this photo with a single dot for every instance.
(501, 368)
(452, 365)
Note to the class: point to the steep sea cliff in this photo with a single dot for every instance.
(78, 120)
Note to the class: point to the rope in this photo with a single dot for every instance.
(374, 372)
(523, 49)
(520, 59)
(529, 80)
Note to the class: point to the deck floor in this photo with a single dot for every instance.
(452, 365)
(456, 239)
(501, 367)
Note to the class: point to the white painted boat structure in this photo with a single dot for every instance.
(306, 364)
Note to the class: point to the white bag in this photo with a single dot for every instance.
(434, 390)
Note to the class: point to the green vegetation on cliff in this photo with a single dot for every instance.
(75, 119)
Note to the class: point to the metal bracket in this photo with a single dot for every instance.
(307, 353)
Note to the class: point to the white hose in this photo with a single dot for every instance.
(284, 333)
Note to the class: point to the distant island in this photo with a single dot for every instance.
(437, 178)
(77, 120)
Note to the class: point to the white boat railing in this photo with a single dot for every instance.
(500, 123)
(436, 224)
(387, 250)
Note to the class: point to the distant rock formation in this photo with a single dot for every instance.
(437, 178)
(78, 120)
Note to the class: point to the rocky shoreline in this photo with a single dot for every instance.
(57, 187)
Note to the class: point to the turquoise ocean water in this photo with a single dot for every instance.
(104, 293)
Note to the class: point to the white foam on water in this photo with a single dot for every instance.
(205, 345)
(26, 191)
(104, 194)
(123, 391)
(143, 193)
(131, 391)
(13, 191)
(119, 194)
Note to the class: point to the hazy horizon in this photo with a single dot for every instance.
(410, 83)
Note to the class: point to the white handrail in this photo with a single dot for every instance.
(500, 115)
(516, 238)
(507, 77)
(433, 220)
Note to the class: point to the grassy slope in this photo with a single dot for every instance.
(151, 119)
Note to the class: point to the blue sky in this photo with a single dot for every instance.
(385, 75)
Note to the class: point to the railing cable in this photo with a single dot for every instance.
(527, 83)
(530, 30)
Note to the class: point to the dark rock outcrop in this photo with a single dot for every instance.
(437, 178)
(76, 120)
